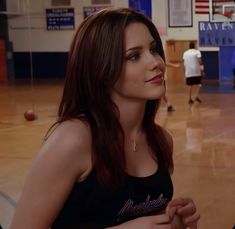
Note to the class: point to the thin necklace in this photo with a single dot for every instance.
(135, 148)
(134, 143)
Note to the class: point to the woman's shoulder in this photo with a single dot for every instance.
(72, 129)
(71, 134)
(69, 144)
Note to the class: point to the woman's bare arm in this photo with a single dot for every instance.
(62, 160)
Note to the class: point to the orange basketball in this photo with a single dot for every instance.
(29, 115)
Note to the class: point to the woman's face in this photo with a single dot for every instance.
(143, 69)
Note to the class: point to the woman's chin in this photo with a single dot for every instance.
(157, 95)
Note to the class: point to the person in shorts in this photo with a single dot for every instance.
(194, 70)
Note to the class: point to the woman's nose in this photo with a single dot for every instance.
(153, 61)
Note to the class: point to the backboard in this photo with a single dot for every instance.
(222, 10)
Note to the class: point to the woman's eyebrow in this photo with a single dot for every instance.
(153, 42)
(134, 48)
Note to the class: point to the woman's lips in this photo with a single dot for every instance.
(156, 79)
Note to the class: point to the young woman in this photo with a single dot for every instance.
(106, 164)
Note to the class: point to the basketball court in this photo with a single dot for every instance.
(204, 145)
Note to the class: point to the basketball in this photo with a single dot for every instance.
(29, 115)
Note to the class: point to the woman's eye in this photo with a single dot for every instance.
(133, 57)
(154, 50)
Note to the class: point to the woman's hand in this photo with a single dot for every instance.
(162, 221)
(186, 212)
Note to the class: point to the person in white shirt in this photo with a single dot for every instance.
(194, 70)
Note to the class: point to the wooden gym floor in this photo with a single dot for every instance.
(204, 145)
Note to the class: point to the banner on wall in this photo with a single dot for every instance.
(143, 6)
(214, 34)
(60, 19)
(89, 10)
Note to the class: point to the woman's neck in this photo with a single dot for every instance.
(131, 115)
(131, 120)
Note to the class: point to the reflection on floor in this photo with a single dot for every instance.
(224, 87)
(204, 146)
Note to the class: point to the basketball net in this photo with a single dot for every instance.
(228, 14)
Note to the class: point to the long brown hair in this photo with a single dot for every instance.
(95, 63)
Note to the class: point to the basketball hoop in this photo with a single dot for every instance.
(222, 10)
(228, 11)
(228, 14)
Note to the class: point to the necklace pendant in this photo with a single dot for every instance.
(134, 146)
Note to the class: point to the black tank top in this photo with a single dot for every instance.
(91, 205)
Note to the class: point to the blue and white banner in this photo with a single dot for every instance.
(215, 34)
(60, 19)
